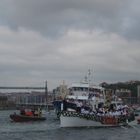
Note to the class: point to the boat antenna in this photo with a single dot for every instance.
(89, 74)
(92, 75)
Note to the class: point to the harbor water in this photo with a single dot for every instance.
(50, 130)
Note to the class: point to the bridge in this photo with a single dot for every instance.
(34, 88)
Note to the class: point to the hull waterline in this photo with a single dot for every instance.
(81, 122)
(21, 118)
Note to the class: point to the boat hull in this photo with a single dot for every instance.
(66, 121)
(21, 118)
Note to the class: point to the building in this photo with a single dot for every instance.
(138, 93)
(3, 101)
(125, 95)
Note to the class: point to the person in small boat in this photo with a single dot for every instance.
(33, 111)
(36, 112)
(39, 112)
(22, 112)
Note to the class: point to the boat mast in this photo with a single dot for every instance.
(46, 95)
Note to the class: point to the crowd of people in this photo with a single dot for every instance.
(85, 108)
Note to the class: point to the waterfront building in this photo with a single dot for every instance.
(138, 93)
(125, 95)
(34, 99)
(3, 101)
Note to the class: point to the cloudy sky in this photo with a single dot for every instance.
(58, 40)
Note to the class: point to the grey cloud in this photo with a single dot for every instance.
(53, 17)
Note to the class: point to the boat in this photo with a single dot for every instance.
(70, 117)
(24, 118)
(81, 108)
(27, 115)
(31, 114)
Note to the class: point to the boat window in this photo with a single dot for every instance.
(81, 89)
(84, 89)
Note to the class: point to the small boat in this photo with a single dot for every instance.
(25, 118)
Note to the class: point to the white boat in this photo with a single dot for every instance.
(95, 96)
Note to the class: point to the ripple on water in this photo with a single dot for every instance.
(50, 130)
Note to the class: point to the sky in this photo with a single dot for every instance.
(59, 40)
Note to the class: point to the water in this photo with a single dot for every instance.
(50, 130)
